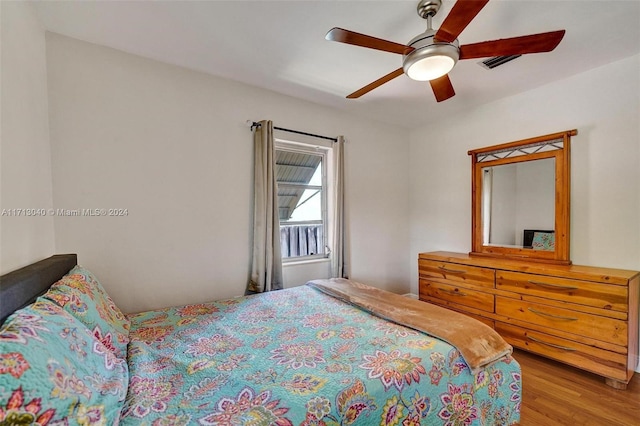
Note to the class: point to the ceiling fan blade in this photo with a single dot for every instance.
(535, 43)
(362, 40)
(457, 20)
(442, 88)
(377, 83)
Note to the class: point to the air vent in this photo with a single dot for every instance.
(496, 61)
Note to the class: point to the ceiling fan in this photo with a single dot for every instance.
(432, 54)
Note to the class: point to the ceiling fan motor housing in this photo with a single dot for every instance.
(430, 59)
(428, 8)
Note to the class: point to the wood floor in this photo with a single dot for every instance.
(555, 394)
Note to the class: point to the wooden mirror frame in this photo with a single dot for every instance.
(556, 145)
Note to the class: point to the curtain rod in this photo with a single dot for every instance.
(255, 124)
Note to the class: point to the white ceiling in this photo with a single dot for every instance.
(280, 45)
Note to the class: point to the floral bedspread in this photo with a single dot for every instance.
(300, 357)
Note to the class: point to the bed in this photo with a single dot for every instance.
(310, 355)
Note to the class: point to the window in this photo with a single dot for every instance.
(302, 200)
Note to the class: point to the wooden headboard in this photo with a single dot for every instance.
(23, 286)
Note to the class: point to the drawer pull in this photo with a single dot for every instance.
(451, 271)
(452, 292)
(564, 348)
(556, 286)
(560, 317)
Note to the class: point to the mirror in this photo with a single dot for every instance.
(516, 197)
(520, 199)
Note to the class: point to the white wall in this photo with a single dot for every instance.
(25, 157)
(171, 146)
(536, 197)
(603, 104)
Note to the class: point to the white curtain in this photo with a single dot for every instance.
(487, 188)
(338, 257)
(266, 263)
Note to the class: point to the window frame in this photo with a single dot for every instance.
(325, 153)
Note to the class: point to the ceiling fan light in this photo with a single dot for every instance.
(430, 59)
(430, 67)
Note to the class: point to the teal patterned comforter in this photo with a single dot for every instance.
(300, 357)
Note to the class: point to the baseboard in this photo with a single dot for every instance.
(411, 295)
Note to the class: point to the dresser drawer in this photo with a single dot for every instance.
(600, 361)
(487, 321)
(597, 295)
(580, 323)
(453, 273)
(458, 308)
(457, 295)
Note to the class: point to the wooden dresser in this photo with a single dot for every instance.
(580, 315)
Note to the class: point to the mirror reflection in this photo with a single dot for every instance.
(518, 204)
